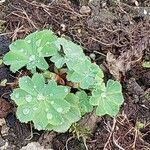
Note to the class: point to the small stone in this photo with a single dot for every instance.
(34, 146)
(3, 82)
(145, 12)
(4, 127)
(136, 3)
(92, 56)
(63, 27)
(79, 31)
(2, 142)
(104, 4)
(2, 1)
(85, 10)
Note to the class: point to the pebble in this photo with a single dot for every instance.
(85, 10)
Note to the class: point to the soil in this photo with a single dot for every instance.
(118, 33)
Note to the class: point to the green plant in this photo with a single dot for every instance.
(139, 125)
(146, 64)
(107, 98)
(31, 51)
(42, 100)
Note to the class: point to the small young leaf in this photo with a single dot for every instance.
(84, 104)
(69, 48)
(58, 60)
(31, 51)
(108, 100)
(146, 64)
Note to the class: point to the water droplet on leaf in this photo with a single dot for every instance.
(51, 94)
(40, 97)
(29, 41)
(103, 95)
(38, 42)
(66, 90)
(52, 102)
(28, 98)
(22, 50)
(26, 111)
(35, 108)
(46, 109)
(49, 116)
(59, 109)
(32, 58)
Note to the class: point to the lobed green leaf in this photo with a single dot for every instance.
(85, 75)
(85, 106)
(69, 53)
(31, 51)
(41, 103)
(107, 99)
(72, 116)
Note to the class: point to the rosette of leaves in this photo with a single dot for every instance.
(44, 104)
(48, 105)
(107, 99)
(31, 51)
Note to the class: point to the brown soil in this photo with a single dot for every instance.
(119, 35)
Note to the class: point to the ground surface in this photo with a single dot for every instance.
(118, 33)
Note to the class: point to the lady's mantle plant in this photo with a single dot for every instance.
(51, 106)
